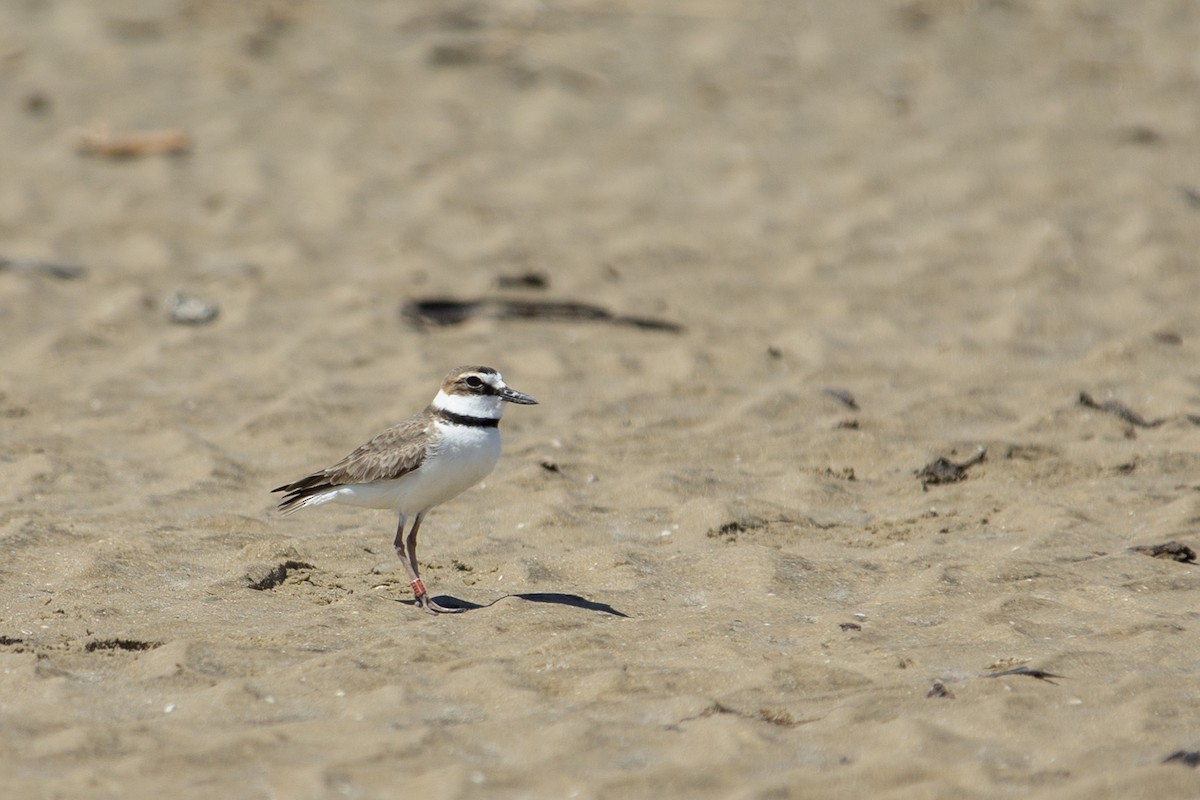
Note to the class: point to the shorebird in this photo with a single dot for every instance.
(419, 463)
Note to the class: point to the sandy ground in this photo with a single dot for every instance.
(699, 572)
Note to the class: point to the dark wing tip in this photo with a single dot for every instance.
(301, 489)
(297, 495)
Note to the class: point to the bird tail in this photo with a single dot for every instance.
(302, 492)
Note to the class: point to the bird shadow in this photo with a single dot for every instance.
(554, 598)
(573, 600)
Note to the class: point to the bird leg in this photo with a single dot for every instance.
(409, 566)
(406, 548)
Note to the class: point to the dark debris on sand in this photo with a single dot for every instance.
(938, 689)
(1189, 757)
(943, 470)
(1040, 674)
(435, 312)
(1173, 551)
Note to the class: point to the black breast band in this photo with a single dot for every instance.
(463, 419)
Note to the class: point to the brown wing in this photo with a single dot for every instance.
(395, 452)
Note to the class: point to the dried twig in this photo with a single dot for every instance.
(1121, 410)
(98, 141)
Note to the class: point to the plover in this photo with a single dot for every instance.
(419, 463)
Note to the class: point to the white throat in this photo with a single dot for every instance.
(470, 405)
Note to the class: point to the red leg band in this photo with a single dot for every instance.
(418, 588)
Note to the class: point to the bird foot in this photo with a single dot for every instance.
(427, 603)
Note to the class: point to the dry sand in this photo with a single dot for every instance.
(733, 584)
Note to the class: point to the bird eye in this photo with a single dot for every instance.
(474, 382)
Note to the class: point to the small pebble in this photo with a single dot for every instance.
(188, 309)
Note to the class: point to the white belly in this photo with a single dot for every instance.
(462, 458)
